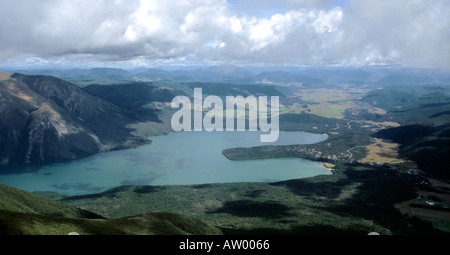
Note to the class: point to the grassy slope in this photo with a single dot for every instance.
(26, 213)
(15, 223)
(16, 200)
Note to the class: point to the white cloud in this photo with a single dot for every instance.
(398, 32)
(250, 32)
(235, 24)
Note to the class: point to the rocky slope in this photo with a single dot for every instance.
(45, 119)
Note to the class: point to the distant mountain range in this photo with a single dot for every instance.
(308, 76)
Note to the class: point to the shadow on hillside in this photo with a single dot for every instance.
(111, 193)
(370, 193)
(247, 208)
(318, 229)
(147, 189)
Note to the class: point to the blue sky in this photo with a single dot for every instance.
(341, 3)
(210, 32)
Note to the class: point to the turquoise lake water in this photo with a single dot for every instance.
(177, 158)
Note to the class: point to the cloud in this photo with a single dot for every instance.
(399, 32)
(295, 37)
(267, 8)
(140, 32)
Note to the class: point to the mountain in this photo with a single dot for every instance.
(410, 105)
(391, 99)
(288, 77)
(308, 76)
(77, 74)
(427, 145)
(107, 73)
(25, 213)
(133, 96)
(224, 73)
(45, 119)
(153, 74)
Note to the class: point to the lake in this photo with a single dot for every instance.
(177, 158)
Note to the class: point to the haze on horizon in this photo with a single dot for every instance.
(413, 33)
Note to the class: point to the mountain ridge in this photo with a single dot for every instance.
(46, 120)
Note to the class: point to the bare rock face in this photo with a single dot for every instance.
(44, 119)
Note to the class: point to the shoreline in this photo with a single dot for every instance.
(327, 166)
